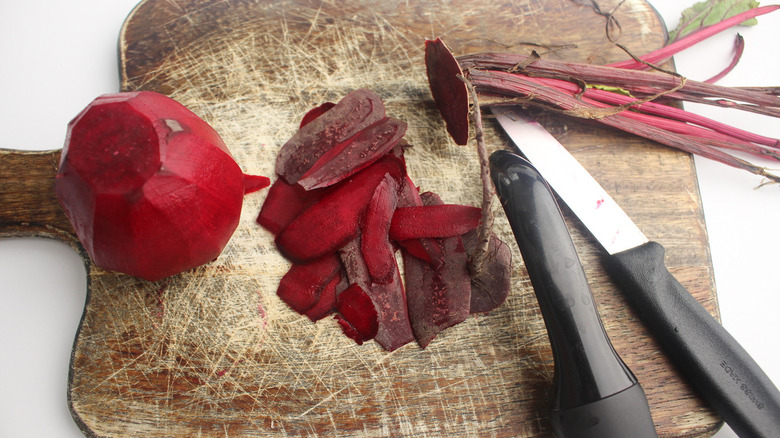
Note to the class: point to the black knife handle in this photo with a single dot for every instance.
(705, 353)
(594, 392)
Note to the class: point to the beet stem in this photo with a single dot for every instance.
(485, 228)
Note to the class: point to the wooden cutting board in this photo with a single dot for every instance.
(214, 352)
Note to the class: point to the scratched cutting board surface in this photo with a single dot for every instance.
(214, 352)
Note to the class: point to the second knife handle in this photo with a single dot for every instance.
(706, 354)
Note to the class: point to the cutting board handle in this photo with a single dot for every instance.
(28, 204)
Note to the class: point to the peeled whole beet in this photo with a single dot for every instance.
(150, 188)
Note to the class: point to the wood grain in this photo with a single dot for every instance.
(213, 352)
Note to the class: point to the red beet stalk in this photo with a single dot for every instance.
(512, 79)
(665, 53)
(578, 107)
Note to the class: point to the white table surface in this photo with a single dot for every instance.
(56, 56)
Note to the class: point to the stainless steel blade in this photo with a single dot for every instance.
(603, 217)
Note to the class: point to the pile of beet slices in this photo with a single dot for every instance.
(341, 209)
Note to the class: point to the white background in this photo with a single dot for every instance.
(56, 56)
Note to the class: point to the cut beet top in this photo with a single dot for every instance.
(449, 92)
(149, 187)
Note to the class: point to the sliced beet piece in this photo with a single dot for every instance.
(490, 287)
(389, 298)
(423, 248)
(354, 264)
(333, 221)
(302, 285)
(438, 297)
(315, 112)
(326, 303)
(283, 203)
(444, 220)
(416, 248)
(354, 154)
(395, 329)
(408, 193)
(357, 314)
(449, 91)
(375, 245)
(354, 113)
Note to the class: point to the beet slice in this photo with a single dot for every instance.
(354, 264)
(424, 249)
(376, 248)
(352, 114)
(444, 220)
(354, 154)
(490, 287)
(357, 314)
(150, 188)
(449, 92)
(328, 224)
(283, 203)
(326, 303)
(395, 330)
(416, 248)
(438, 297)
(389, 298)
(302, 285)
(315, 112)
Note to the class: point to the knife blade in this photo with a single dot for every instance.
(710, 359)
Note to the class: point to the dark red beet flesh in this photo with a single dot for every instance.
(490, 287)
(149, 187)
(355, 112)
(361, 206)
(302, 285)
(433, 221)
(283, 203)
(438, 297)
(354, 154)
(326, 303)
(333, 221)
(376, 248)
(357, 314)
(389, 298)
(315, 112)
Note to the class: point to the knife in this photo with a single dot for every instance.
(595, 394)
(715, 364)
